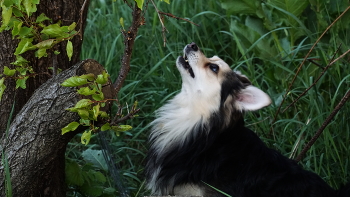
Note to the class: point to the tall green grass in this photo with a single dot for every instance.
(269, 58)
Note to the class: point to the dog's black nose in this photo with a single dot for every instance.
(193, 46)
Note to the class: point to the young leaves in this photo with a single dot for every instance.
(89, 110)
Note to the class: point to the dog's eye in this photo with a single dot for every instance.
(214, 68)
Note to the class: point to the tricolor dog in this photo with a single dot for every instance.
(198, 141)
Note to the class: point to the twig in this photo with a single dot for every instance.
(324, 125)
(161, 22)
(178, 18)
(170, 15)
(129, 40)
(314, 83)
(126, 117)
(302, 63)
(82, 10)
(317, 64)
(340, 57)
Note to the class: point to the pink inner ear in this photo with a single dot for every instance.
(247, 98)
(252, 98)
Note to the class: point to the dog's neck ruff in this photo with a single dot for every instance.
(179, 118)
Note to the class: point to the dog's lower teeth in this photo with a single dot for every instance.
(186, 60)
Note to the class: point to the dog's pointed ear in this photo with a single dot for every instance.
(251, 98)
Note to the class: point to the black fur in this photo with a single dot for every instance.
(238, 163)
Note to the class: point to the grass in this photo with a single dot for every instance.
(153, 78)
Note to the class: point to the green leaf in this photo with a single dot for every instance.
(103, 114)
(2, 87)
(86, 91)
(73, 173)
(109, 190)
(89, 76)
(70, 127)
(45, 44)
(121, 21)
(84, 122)
(166, 1)
(82, 103)
(17, 25)
(72, 26)
(54, 31)
(25, 31)
(21, 83)
(9, 72)
(42, 17)
(99, 177)
(29, 6)
(17, 12)
(96, 158)
(295, 7)
(102, 78)
(6, 16)
(96, 111)
(120, 128)
(105, 127)
(74, 81)
(6, 3)
(69, 49)
(98, 96)
(41, 53)
(85, 137)
(84, 114)
(20, 61)
(24, 45)
(140, 3)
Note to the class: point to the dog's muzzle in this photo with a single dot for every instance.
(183, 60)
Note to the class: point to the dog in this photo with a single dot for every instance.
(199, 145)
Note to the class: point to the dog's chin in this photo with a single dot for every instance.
(183, 63)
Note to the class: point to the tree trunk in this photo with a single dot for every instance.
(58, 10)
(35, 148)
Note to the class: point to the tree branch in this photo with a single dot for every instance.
(313, 84)
(301, 65)
(129, 40)
(324, 125)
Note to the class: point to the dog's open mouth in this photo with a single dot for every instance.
(185, 64)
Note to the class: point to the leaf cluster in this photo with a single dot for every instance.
(90, 110)
(37, 34)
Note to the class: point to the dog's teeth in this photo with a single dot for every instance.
(186, 60)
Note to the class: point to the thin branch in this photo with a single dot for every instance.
(317, 64)
(126, 117)
(314, 83)
(178, 18)
(161, 22)
(129, 40)
(324, 125)
(81, 13)
(302, 63)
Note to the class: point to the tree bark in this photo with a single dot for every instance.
(35, 148)
(58, 10)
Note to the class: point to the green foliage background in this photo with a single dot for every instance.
(265, 40)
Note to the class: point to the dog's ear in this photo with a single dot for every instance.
(251, 98)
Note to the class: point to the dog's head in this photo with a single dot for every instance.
(210, 84)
